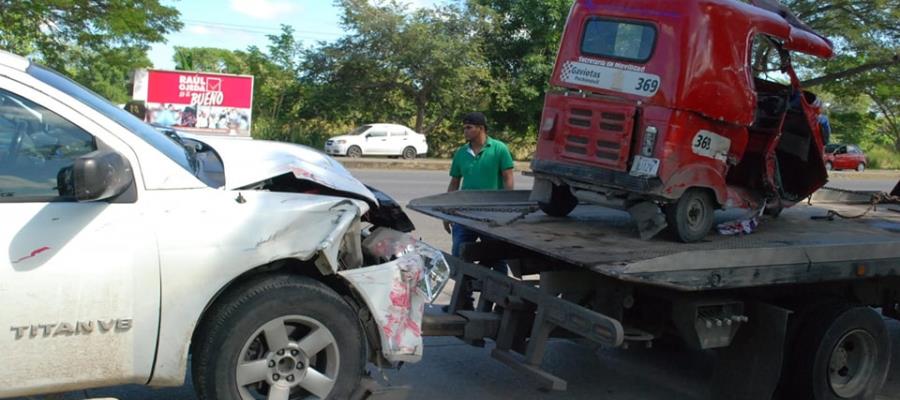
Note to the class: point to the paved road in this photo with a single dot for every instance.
(451, 370)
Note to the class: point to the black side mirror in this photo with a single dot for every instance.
(99, 175)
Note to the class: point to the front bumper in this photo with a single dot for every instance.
(336, 149)
(588, 175)
(411, 274)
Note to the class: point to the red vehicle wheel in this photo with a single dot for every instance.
(692, 216)
(562, 202)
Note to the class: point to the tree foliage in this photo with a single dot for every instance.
(866, 35)
(96, 42)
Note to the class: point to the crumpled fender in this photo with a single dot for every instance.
(391, 293)
(395, 292)
(696, 175)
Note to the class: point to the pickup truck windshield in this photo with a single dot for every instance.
(631, 41)
(140, 129)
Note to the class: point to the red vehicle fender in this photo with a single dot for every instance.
(696, 175)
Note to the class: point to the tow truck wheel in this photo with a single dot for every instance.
(562, 202)
(840, 352)
(278, 337)
(692, 216)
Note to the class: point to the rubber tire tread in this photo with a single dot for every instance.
(815, 326)
(246, 304)
(354, 147)
(414, 152)
(680, 232)
(562, 202)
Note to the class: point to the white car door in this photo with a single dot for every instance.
(377, 141)
(79, 281)
(400, 139)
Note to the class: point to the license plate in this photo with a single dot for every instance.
(645, 166)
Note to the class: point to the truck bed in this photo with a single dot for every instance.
(793, 248)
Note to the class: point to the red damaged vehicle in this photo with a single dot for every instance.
(687, 106)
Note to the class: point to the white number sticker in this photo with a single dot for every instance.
(631, 82)
(712, 145)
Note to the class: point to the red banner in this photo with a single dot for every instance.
(199, 89)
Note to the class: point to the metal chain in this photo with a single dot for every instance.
(877, 198)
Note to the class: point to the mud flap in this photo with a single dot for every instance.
(650, 221)
(369, 389)
(750, 368)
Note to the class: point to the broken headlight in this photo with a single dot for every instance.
(385, 245)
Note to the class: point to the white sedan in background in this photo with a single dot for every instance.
(379, 139)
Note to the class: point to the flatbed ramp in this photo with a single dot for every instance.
(797, 247)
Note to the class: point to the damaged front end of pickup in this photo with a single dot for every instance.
(393, 274)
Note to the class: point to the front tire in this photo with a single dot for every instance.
(829, 166)
(278, 337)
(860, 167)
(840, 352)
(692, 216)
(354, 152)
(562, 202)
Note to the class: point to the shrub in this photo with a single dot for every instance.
(882, 157)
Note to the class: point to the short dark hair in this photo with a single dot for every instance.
(475, 118)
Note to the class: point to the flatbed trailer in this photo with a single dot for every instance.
(792, 309)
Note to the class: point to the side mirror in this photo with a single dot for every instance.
(99, 175)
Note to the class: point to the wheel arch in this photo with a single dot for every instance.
(288, 266)
(697, 176)
(298, 268)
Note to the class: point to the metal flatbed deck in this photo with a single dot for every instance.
(793, 248)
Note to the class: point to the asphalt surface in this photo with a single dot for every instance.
(453, 370)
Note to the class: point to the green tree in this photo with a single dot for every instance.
(209, 59)
(867, 62)
(426, 66)
(521, 40)
(96, 42)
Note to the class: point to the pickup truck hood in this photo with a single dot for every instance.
(248, 162)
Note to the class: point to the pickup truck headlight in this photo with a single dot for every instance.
(437, 271)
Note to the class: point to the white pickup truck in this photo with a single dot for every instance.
(126, 250)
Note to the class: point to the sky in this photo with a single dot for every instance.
(237, 24)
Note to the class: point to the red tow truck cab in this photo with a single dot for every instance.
(685, 105)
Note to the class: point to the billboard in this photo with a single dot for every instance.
(196, 102)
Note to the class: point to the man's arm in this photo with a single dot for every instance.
(509, 181)
(454, 184)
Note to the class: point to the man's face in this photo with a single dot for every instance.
(472, 131)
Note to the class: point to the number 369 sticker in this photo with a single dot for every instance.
(712, 145)
(647, 85)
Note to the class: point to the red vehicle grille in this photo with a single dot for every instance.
(597, 133)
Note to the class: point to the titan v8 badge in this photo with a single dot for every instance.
(77, 328)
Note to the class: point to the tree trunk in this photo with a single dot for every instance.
(420, 114)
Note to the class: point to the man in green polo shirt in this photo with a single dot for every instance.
(483, 163)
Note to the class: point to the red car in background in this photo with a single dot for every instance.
(844, 156)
